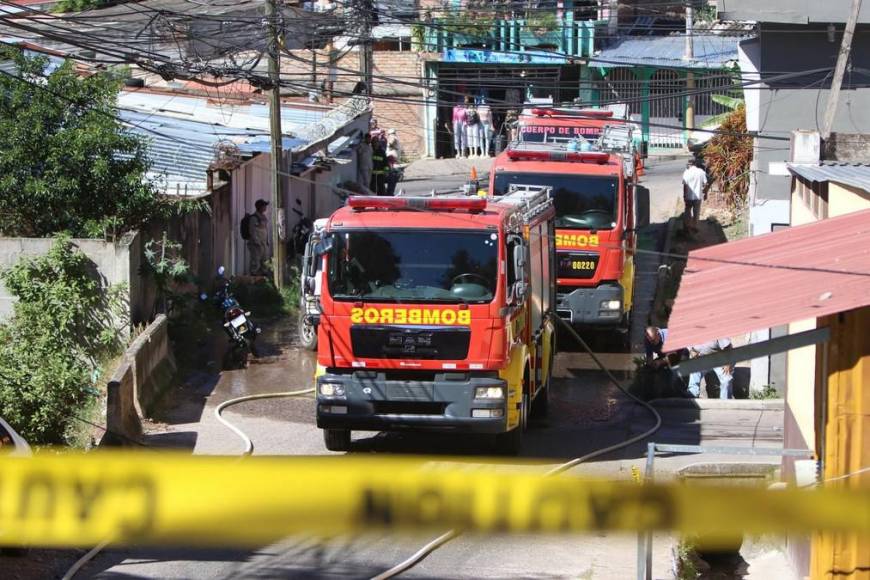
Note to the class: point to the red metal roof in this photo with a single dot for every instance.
(757, 283)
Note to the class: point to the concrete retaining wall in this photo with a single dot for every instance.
(117, 262)
(145, 372)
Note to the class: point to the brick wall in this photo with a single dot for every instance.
(400, 108)
(400, 104)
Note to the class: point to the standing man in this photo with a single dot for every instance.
(695, 187)
(378, 184)
(724, 374)
(364, 161)
(258, 242)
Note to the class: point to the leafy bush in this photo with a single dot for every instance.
(165, 264)
(728, 157)
(65, 322)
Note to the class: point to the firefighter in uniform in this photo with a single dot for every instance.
(379, 168)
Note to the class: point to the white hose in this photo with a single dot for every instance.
(249, 449)
(249, 445)
(418, 556)
(80, 563)
(423, 552)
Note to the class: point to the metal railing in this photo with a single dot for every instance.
(644, 539)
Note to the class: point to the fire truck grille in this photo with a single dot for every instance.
(577, 264)
(417, 342)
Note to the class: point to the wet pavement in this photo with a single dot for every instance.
(587, 413)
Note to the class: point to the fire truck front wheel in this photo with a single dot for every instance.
(337, 439)
(511, 442)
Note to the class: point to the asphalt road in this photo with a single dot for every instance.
(588, 413)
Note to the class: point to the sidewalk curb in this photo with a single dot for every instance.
(720, 404)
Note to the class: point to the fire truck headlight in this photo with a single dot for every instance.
(611, 304)
(331, 390)
(489, 393)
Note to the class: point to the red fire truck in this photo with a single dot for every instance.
(597, 214)
(436, 312)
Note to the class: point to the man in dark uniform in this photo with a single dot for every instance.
(379, 168)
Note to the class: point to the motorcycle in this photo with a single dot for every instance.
(240, 329)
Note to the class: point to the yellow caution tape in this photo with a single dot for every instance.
(157, 498)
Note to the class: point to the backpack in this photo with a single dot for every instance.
(472, 118)
(245, 227)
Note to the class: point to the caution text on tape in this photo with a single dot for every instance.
(151, 498)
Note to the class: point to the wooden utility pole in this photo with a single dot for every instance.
(840, 70)
(366, 9)
(690, 76)
(278, 225)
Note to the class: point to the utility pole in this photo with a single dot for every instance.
(612, 20)
(278, 225)
(366, 10)
(839, 71)
(689, 56)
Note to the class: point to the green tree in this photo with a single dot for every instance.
(67, 162)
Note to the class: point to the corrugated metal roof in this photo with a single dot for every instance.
(253, 116)
(757, 283)
(853, 174)
(667, 52)
(182, 132)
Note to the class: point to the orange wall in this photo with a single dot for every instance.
(846, 431)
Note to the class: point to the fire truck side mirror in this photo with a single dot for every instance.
(520, 261)
(310, 285)
(324, 246)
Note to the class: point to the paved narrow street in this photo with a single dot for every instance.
(587, 413)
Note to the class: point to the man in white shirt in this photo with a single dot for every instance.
(695, 186)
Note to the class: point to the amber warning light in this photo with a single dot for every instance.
(416, 203)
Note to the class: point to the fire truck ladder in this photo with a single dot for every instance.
(532, 200)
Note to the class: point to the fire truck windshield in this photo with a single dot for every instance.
(414, 266)
(581, 201)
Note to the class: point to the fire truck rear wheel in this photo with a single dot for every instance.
(337, 439)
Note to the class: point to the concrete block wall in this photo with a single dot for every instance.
(153, 364)
(145, 371)
(123, 425)
(117, 263)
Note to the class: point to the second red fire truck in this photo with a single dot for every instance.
(597, 216)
